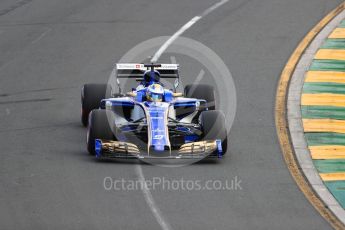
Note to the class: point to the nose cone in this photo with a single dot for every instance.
(159, 150)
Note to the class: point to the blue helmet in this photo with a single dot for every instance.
(155, 93)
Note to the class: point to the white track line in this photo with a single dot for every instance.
(184, 28)
(147, 194)
(150, 201)
(173, 60)
(41, 36)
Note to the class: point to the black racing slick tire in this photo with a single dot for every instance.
(201, 91)
(91, 96)
(99, 128)
(213, 127)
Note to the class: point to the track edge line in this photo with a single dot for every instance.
(282, 127)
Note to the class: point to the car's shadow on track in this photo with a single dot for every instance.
(90, 158)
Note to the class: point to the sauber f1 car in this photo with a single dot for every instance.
(152, 121)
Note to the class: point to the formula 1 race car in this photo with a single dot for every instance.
(152, 121)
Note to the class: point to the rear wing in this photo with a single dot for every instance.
(132, 70)
(136, 71)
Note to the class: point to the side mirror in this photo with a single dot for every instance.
(119, 85)
(176, 83)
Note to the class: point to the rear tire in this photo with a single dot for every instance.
(99, 128)
(91, 96)
(213, 127)
(201, 91)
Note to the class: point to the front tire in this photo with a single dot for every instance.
(99, 128)
(91, 96)
(213, 127)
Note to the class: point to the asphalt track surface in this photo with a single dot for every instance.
(49, 49)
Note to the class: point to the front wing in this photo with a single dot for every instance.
(194, 150)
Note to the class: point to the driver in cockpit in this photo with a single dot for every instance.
(150, 77)
(150, 85)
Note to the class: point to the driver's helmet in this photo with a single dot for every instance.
(155, 93)
(151, 76)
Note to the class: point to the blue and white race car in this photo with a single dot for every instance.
(152, 121)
